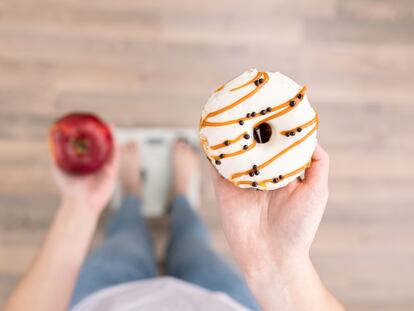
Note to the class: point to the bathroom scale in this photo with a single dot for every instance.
(156, 171)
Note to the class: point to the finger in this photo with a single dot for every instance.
(226, 191)
(114, 159)
(112, 130)
(317, 174)
(222, 186)
(55, 170)
(292, 185)
(113, 164)
(218, 180)
(110, 169)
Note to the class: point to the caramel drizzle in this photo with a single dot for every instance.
(222, 86)
(239, 87)
(276, 108)
(219, 88)
(230, 142)
(288, 107)
(297, 99)
(302, 126)
(203, 142)
(233, 154)
(204, 123)
(263, 182)
(258, 75)
(278, 155)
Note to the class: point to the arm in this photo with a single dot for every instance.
(292, 287)
(49, 282)
(270, 234)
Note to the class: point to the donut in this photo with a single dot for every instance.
(259, 130)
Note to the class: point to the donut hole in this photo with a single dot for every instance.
(262, 133)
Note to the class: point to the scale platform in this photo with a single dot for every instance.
(155, 157)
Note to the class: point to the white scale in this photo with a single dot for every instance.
(155, 156)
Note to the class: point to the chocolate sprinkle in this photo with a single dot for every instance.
(257, 82)
(299, 96)
(245, 147)
(280, 176)
(248, 115)
(241, 122)
(221, 156)
(299, 129)
(287, 134)
(255, 167)
(251, 174)
(226, 143)
(256, 172)
(263, 112)
(268, 109)
(292, 103)
(261, 80)
(254, 184)
(253, 114)
(218, 162)
(275, 180)
(292, 133)
(246, 136)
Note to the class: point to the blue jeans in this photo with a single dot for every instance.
(127, 255)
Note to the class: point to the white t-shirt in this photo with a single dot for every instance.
(158, 294)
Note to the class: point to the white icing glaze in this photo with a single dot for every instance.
(277, 90)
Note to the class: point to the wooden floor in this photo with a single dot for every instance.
(154, 63)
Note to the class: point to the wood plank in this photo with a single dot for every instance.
(358, 72)
(384, 10)
(342, 29)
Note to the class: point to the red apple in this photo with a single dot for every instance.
(80, 143)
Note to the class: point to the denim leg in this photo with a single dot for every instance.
(190, 257)
(125, 255)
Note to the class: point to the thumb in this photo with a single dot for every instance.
(220, 183)
(317, 174)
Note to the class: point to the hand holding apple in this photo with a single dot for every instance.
(91, 191)
(85, 162)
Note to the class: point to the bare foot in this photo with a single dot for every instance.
(130, 169)
(185, 161)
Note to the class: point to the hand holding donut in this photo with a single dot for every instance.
(266, 229)
(270, 234)
(259, 132)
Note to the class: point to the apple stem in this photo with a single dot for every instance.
(80, 145)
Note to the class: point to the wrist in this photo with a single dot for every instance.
(293, 285)
(281, 268)
(71, 232)
(81, 206)
(281, 265)
(275, 281)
